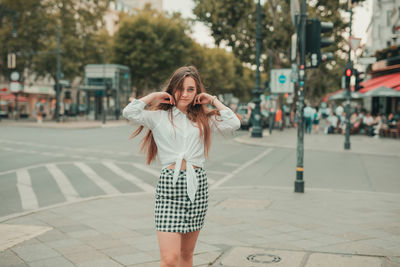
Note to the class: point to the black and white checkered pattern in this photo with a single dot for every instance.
(173, 210)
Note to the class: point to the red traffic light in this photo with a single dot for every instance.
(348, 72)
(4, 89)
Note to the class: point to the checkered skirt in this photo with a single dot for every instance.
(173, 210)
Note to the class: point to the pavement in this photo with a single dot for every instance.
(245, 225)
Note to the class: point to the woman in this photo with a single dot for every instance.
(180, 127)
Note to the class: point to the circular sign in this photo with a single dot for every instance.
(15, 76)
(282, 78)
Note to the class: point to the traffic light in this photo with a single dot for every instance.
(348, 72)
(358, 85)
(314, 40)
(67, 94)
(55, 87)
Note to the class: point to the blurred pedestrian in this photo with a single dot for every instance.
(316, 119)
(278, 118)
(179, 131)
(250, 115)
(308, 111)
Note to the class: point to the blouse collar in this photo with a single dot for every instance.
(176, 111)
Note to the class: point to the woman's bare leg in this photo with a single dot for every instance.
(170, 248)
(188, 243)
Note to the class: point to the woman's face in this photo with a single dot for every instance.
(187, 94)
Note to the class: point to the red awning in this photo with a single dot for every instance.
(11, 97)
(389, 80)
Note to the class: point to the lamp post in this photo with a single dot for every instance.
(349, 64)
(58, 75)
(299, 182)
(257, 130)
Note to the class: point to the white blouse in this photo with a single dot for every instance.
(182, 141)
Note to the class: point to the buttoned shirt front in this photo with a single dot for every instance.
(181, 140)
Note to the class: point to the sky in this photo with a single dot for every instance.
(361, 19)
(200, 32)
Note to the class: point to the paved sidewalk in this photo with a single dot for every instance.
(360, 144)
(245, 225)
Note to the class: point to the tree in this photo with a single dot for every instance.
(153, 46)
(233, 24)
(222, 72)
(30, 17)
(80, 24)
(37, 34)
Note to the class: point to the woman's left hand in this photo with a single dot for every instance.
(203, 98)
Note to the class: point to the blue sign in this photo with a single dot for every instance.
(282, 78)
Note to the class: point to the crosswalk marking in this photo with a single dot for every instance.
(24, 185)
(133, 179)
(92, 175)
(146, 169)
(63, 183)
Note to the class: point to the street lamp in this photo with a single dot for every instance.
(257, 130)
(348, 73)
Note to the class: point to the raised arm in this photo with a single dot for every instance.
(227, 122)
(135, 111)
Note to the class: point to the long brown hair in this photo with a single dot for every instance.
(198, 114)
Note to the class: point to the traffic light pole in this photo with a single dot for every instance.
(299, 183)
(257, 130)
(58, 75)
(347, 120)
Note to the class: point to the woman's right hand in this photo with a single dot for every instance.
(157, 98)
(163, 98)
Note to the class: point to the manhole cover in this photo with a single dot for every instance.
(263, 258)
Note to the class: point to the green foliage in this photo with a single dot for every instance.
(233, 24)
(37, 34)
(222, 72)
(153, 46)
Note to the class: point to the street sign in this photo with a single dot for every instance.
(15, 87)
(14, 76)
(281, 82)
(354, 42)
(282, 79)
(11, 60)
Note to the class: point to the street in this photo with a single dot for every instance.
(43, 167)
(84, 197)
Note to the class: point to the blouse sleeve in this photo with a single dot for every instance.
(136, 113)
(226, 123)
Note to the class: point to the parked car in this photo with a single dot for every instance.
(245, 120)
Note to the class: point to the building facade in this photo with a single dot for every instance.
(384, 28)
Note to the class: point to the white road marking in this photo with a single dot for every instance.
(25, 144)
(217, 172)
(231, 164)
(92, 175)
(63, 182)
(133, 179)
(240, 168)
(24, 185)
(146, 169)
